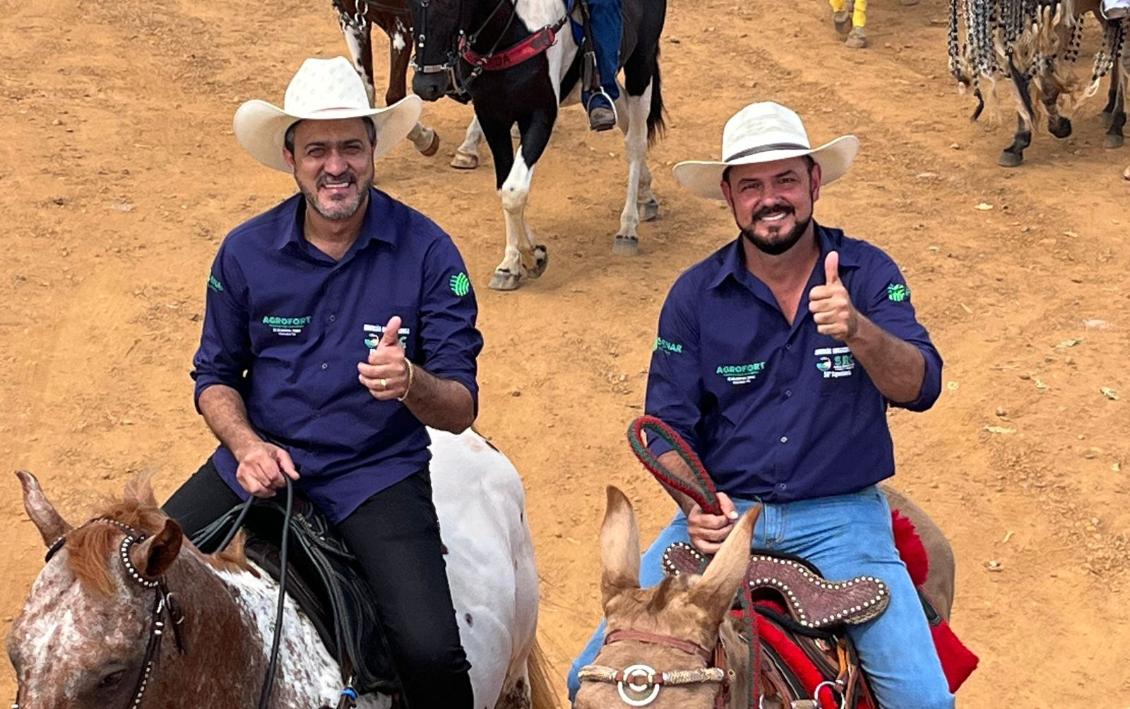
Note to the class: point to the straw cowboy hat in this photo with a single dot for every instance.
(322, 89)
(764, 132)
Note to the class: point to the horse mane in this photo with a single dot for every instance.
(91, 545)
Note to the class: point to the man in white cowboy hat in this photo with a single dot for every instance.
(337, 325)
(776, 360)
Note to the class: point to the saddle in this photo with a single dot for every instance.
(800, 619)
(812, 601)
(325, 581)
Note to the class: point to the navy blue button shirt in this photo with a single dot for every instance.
(286, 325)
(774, 410)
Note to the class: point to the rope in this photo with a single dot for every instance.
(701, 489)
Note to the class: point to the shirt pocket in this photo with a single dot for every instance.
(375, 320)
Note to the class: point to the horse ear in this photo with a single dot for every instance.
(619, 547)
(50, 523)
(715, 591)
(156, 554)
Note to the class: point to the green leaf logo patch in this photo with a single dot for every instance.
(460, 284)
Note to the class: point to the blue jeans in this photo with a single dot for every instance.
(845, 536)
(607, 28)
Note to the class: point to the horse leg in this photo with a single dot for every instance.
(358, 40)
(1107, 114)
(467, 154)
(1114, 137)
(1059, 126)
(1013, 155)
(627, 242)
(857, 38)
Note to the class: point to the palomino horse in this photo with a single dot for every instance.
(850, 19)
(517, 59)
(676, 621)
(89, 634)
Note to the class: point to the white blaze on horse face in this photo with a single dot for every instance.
(57, 653)
(305, 666)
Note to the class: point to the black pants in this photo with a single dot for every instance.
(395, 536)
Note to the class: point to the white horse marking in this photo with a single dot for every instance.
(635, 149)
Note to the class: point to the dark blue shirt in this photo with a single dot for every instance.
(774, 410)
(286, 325)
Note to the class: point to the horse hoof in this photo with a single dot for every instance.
(842, 22)
(1008, 159)
(464, 161)
(1106, 118)
(1061, 128)
(505, 280)
(1113, 140)
(1126, 173)
(432, 147)
(625, 245)
(648, 210)
(541, 262)
(856, 40)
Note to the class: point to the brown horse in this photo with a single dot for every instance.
(90, 634)
(685, 613)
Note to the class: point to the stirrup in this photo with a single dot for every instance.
(601, 92)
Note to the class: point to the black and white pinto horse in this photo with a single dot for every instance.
(518, 59)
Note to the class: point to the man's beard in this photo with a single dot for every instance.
(780, 246)
(335, 210)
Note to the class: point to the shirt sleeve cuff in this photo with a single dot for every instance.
(931, 383)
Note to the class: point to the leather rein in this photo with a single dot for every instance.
(164, 603)
(638, 685)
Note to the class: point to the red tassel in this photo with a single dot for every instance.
(910, 548)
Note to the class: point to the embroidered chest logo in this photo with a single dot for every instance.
(738, 374)
(286, 326)
(373, 334)
(834, 362)
(898, 293)
(460, 284)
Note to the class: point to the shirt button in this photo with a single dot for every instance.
(333, 318)
(782, 487)
(325, 365)
(788, 393)
(788, 347)
(784, 439)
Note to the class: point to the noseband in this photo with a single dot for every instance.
(639, 684)
(163, 603)
(451, 65)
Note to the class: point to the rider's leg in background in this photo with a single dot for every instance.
(395, 536)
(607, 29)
(848, 536)
(201, 500)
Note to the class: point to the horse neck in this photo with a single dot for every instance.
(530, 16)
(224, 662)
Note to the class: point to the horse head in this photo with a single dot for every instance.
(438, 26)
(81, 639)
(670, 628)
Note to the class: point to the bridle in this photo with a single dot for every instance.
(638, 685)
(164, 603)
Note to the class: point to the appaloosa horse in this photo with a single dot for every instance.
(517, 59)
(659, 642)
(90, 633)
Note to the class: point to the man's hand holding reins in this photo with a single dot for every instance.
(708, 531)
(386, 374)
(830, 304)
(262, 467)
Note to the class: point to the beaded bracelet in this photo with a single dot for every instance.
(411, 376)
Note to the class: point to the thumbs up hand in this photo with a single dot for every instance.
(830, 304)
(385, 374)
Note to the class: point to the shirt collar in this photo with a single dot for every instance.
(378, 223)
(733, 257)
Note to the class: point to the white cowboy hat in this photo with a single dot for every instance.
(764, 132)
(322, 89)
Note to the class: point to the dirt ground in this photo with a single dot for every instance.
(119, 176)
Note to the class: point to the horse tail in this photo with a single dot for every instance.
(656, 125)
(542, 695)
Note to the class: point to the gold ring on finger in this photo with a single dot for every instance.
(384, 383)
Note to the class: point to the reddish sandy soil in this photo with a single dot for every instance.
(119, 176)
